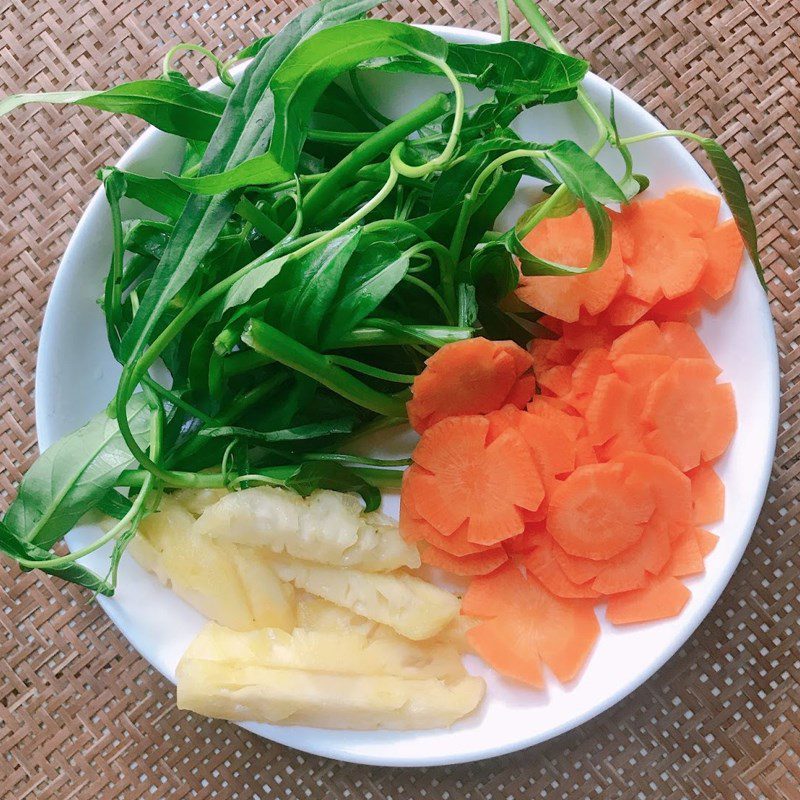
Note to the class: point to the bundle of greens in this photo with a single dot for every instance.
(309, 256)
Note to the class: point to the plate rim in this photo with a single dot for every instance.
(45, 437)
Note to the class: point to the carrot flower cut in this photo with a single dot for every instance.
(470, 377)
(661, 598)
(528, 627)
(599, 511)
(471, 479)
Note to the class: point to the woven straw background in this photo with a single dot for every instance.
(82, 716)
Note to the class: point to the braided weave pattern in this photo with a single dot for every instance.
(82, 716)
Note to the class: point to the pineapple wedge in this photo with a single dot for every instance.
(326, 527)
(233, 585)
(321, 679)
(411, 606)
(196, 501)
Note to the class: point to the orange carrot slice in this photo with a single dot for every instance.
(685, 558)
(671, 489)
(641, 370)
(681, 341)
(531, 625)
(614, 409)
(547, 353)
(629, 569)
(469, 377)
(662, 597)
(706, 541)
(471, 564)
(471, 480)
(588, 368)
(725, 250)
(702, 207)
(642, 339)
(505, 644)
(569, 240)
(668, 260)
(543, 564)
(693, 417)
(708, 495)
(683, 308)
(556, 409)
(533, 535)
(585, 452)
(623, 234)
(599, 511)
(556, 380)
(625, 310)
(587, 334)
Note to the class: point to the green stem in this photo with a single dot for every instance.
(266, 226)
(555, 198)
(222, 69)
(376, 333)
(339, 137)
(349, 458)
(433, 294)
(243, 361)
(284, 349)
(644, 137)
(379, 143)
(365, 101)
(368, 369)
(505, 21)
(452, 142)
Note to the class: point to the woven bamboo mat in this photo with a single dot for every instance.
(82, 716)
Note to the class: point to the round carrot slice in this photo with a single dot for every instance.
(599, 511)
(470, 479)
(702, 207)
(542, 564)
(668, 259)
(662, 597)
(708, 495)
(469, 377)
(692, 416)
(725, 250)
(530, 625)
(569, 240)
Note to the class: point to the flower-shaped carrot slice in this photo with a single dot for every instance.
(469, 478)
(470, 377)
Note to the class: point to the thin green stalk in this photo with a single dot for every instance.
(505, 20)
(339, 137)
(433, 294)
(380, 142)
(275, 344)
(243, 361)
(351, 458)
(452, 142)
(472, 198)
(368, 369)
(365, 101)
(377, 333)
(222, 69)
(266, 226)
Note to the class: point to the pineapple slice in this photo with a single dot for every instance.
(411, 606)
(326, 679)
(349, 652)
(233, 585)
(326, 527)
(196, 501)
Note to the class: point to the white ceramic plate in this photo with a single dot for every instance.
(76, 377)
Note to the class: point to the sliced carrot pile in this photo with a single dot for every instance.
(592, 483)
(470, 377)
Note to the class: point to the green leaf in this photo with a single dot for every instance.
(259, 171)
(513, 68)
(314, 475)
(305, 293)
(243, 290)
(299, 433)
(563, 206)
(17, 548)
(736, 197)
(582, 174)
(368, 278)
(300, 81)
(113, 504)
(159, 194)
(243, 132)
(71, 477)
(168, 105)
